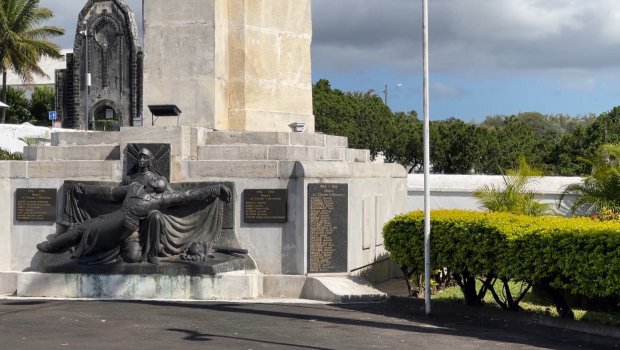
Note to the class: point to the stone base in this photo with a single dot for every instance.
(248, 285)
(231, 286)
(8, 282)
(221, 263)
(341, 290)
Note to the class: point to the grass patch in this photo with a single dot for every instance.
(533, 303)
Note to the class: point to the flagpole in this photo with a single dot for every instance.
(427, 192)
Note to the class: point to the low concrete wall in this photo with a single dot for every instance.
(456, 191)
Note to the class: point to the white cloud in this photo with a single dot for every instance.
(473, 38)
(469, 37)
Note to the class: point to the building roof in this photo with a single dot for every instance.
(49, 66)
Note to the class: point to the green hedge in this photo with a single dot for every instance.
(578, 255)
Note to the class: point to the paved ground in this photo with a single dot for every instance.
(398, 324)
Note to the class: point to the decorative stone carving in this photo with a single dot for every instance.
(107, 47)
(145, 219)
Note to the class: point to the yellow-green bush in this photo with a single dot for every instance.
(578, 255)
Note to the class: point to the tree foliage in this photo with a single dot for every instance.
(453, 145)
(362, 117)
(41, 102)
(34, 110)
(406, 146)
(552, 143)
(23, 42)
(600, 190)
(19, 112)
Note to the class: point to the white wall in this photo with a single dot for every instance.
(455, 191)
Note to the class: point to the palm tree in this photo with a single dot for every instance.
(23, 42)
(601, 189)
(514, 197)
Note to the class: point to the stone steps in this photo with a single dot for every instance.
(92, 152)
(274, 138)
(281, 152)
(202, 144)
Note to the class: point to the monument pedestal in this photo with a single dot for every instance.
(335, 202)
(240, 285)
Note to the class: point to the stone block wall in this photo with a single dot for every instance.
(230, 64)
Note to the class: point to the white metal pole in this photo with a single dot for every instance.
(86, 77)
(427, 191)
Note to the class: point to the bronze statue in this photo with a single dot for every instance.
(135, 232)
(145, 169)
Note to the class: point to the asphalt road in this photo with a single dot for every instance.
(398, 324)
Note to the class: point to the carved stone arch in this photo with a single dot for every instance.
(99, 114)
(100, 33)
(106, 65)
(127, 14)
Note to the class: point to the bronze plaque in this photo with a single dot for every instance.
(35, 204)
(327, 227)
(265, 206)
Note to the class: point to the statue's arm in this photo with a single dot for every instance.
(196, 194)
(108, 193)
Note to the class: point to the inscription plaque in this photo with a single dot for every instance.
(327, 227)
(265, 206)
(35, 204)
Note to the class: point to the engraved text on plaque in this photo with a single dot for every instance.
(265, 206)
(35, 204)
(327, 228)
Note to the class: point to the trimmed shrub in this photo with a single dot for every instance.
(576, 255)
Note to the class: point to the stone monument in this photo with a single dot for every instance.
(307, 209)
(230, 64)
(101, 88)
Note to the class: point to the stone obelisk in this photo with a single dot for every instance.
(230, 64)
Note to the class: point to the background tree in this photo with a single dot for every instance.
(564, 156)
(23, 42)
(362, 117)
(552, 143)
(334, 112)
(41, 102)
(517, 139)
(454, 149)
(604, 130)
(405, 146)
(488, 157)
(374, 120)
(20, 106)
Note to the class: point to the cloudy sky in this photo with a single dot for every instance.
(487, 57)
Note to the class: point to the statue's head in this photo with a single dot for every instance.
(145, 158)
(158, 184)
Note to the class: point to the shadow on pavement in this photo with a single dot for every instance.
(407, 314)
